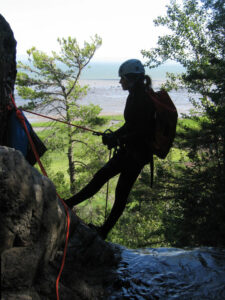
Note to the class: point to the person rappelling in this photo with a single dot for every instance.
(133, 142)
(149, 128)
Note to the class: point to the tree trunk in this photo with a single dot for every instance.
(7, 74)
(71, 162)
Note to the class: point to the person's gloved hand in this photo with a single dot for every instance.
(109, 139)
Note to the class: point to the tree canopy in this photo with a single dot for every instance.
(196, 41)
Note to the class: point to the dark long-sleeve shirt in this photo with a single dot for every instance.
(137, 131)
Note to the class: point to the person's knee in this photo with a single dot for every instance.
(101, 174)
(106, 172)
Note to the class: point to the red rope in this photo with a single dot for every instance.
(22, 120)
(57, 120)
(65, 247)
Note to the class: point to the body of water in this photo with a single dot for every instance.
(106, 91)
(109, 95)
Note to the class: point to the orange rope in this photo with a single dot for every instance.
(65, 247)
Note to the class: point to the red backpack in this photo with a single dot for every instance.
(165, 125)
(165, 122)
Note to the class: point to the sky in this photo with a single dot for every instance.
(125, 26)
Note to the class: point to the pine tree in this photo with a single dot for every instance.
(52, 82)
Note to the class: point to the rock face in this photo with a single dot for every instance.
(7, 70)
(32, 237)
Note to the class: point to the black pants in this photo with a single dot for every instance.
(122, 163)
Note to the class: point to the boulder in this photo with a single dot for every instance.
(32, 238)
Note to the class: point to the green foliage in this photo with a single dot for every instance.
(89, 155)
(197, 216)
(51, 82)
(141, 223)
(196, 41)
(152, 216)
(55, 78)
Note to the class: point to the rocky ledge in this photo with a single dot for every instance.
(32, 239)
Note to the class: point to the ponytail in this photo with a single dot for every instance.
(138, 80)
(147, 82)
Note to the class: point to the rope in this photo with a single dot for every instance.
(22, 120)
(65, 247)
(67, 123)
(107, 190)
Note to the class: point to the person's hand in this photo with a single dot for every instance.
(109, 139)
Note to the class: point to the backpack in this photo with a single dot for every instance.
(165, 122)
(164, 125)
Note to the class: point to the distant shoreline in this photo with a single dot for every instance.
(108, 95)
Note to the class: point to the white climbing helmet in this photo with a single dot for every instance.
(133, 66)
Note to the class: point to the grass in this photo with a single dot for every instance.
(41, 124)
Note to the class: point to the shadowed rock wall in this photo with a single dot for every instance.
(32, 238)
(7, 70)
